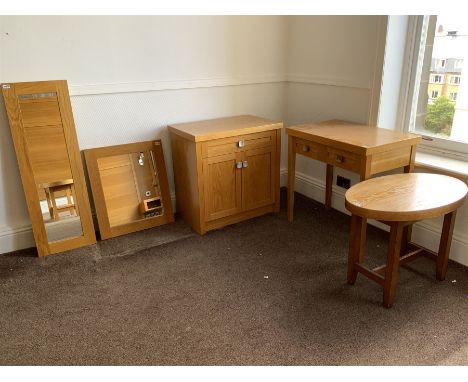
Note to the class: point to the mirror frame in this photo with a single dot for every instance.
(106, 230)
(10, 95)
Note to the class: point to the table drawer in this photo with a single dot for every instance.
(343, 159)
(237, 144)
(310, 149)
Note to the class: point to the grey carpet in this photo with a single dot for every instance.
(261, 292)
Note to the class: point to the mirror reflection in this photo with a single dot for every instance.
(59, 210)
(48, 155)
(131, 188)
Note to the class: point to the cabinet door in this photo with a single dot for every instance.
(222, 186)
(258, 186)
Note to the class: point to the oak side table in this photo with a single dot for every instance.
(363, 149)
(399, 201)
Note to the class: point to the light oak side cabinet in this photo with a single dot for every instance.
(226, 170)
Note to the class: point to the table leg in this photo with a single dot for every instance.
(393, 264)
(406, 238)
(362, 233)
(49, 203)
(291, 177)
(354, 252)
(365, 174)
(69, 201)
(328, 186)
(54, 206)
(444, 246)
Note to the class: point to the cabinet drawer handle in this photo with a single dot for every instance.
(238, 165)
(241, 143)
(305, 148)
(245, 164)
(340, 158)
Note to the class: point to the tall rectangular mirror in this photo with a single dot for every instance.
(43, 131)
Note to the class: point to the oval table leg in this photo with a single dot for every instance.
(444, 246)
(355, 247)
(393, 263)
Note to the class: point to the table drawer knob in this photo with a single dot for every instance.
(241, 143)
(305, 148)
(340, 158)
(245, 164)
(238, 165)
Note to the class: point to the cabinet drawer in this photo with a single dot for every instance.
(219, 147)
(310, 149)
(237, 144)
(343, 159)
(255, 141)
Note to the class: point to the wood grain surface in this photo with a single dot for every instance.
(360, 139)
(406, 197)
(223, 127)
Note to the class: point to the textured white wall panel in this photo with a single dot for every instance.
(111, 119)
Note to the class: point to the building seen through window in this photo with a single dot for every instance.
(442, 108)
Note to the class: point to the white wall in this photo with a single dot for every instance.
(131, 76)
(331, 65)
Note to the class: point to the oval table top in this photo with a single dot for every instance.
(406, 197)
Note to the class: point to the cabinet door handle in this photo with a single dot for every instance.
(305, 148)
(238, 165)
(245, 164)
(241, 143)
(340, 158)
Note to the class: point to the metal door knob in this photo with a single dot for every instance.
(241, 143)
(245, 164)
(239, 165)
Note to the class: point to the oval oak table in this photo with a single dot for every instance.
(399, 201)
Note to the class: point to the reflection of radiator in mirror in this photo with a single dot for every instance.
(151, 207)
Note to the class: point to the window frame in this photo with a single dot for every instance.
(454, 77)
(414, 57)
(433, 79)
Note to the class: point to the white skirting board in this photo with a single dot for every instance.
(424, 233)
(13, 239)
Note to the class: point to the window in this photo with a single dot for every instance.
(434, 110)
(455, 80)
(436, 79)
